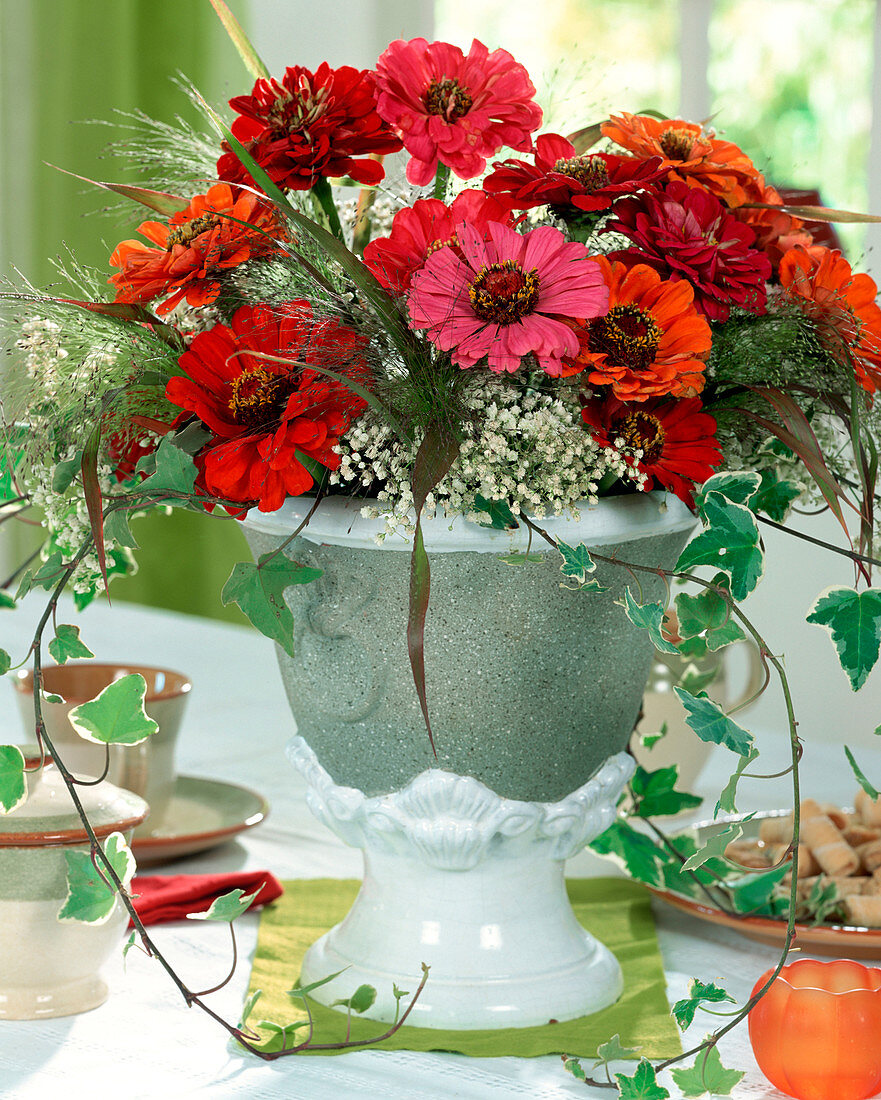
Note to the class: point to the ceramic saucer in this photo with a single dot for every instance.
(202, 814)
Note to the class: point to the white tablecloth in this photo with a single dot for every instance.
(144, 1042)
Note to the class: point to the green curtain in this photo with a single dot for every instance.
(62, 64)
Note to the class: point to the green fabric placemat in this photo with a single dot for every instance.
(615, 910)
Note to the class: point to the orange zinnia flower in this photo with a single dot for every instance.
(197, 244)
(699, 159)
(775, 231)
(841, 305)
(653, 341)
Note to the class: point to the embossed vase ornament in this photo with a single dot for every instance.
(533, 692)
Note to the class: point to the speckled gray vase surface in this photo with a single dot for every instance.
(531, 686)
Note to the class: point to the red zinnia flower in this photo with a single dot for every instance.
(699, 159)
(651, 342)
(677, 440)
(310, 126)
(841, 305)
(501, 300)
(454, 109)
(562, 178)
(421, 229)
(686, 233)
(198, 243)
(263, 412)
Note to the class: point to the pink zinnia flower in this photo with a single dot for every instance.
(686, 233)
(421, 229)
(503, 299)
(454, 109)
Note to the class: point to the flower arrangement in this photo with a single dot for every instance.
(527, 322)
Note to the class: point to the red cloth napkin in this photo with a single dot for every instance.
(171, 897)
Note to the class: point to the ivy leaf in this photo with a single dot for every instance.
(45, 576)
(853, 620)
(641, 856)
(643, 1085)
(175, 473)
(90, 899)
(677, 879)
(65, 472)
(655, 795)
(754, 893)
(116, 527)
(650, 617)
(712, 724)
(684, 1011)
(715, 845)
(860, 778)
(729, 791)
(228, 907)
(66, 644)
(259, 592)
(129, 944)
(649, 740)
(708, 611)
(305, 990)
(776, 495)
(613, 1051)
(117, 715)
(738, 486)
(249, 1006)
(363, 997)
(5, 662)
(823, 901)
(707, 1075)
(13, 785)
(500, 515)
(730, 542)
(578, 564)
(6, 601)
(573, 1066)
(518, 557)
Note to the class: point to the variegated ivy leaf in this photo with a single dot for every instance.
(117, 715)
(643, 1085)
(712, 724)
(174, 475)
(90, 898)
(6, 601)
(228, 907)
(641, 856)
(729, 791)
(650, 617)
(655, 795)
(362, 999)
(707, 1076)
(860, 778)
(519, 557)
(708, 611)
(259, 590)
(698, 992)
(729, 542)
(738, 486)
(5, 662)
(853, 620)
(776, 495)
(13, 785)
(714, 846)
(756, 893)
(579, 565)
(613, 1051)
(66, 644)
(498, 514)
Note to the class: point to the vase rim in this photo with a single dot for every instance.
(338, 521)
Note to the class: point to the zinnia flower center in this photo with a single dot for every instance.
(676, 144)
(255, 396)
(628, 335)
(590, 171)
(447, 98)
(643, 431)
(433, 246)
(503, 293)
(188, 231)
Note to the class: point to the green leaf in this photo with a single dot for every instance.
(650, 617)
(649, 740)
(46, 576)
(685, 882)
(643, 1085)
(90, 899)
(573, 1066)
(684, 1011)
(707, 1075)
(714, 846)
(641, 856)
(175, 473)
(729, 791)
(860, 778)
(94, 499)
(249, 1006)
(823, 901)
(776, 495)
(129, 944)
(500, 515)
(160, 201)
(613, 1051)
(228, 907)
(65, 472)
(13, 785)
(712, 724)
(259, 591)
(5, 662)
(305, 990)
(283, 1035)
(518, 557)
(6, 601)
(116, 527)
(67, 645)
(363, 997)
(753, 893)
(738, 486)
(117, 715)
(240, 40)
(730, 542)
(655, 795)
(695, 679)
(853, 620)
(708, 611)
(578, 564)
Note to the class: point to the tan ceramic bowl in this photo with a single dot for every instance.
(148, 769)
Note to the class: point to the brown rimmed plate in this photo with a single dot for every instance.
(841, 940)
(202, 813)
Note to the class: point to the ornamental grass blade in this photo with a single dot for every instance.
(587, 137)
(437, 453)
(240, 40)
(94, 504)
(160, 201)
(814, 213)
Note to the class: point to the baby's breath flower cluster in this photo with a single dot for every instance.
(529, 449)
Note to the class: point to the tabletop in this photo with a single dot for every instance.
(144, 1042)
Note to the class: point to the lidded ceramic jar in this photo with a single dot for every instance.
(50, 967)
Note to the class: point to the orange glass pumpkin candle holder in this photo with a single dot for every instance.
(816, 1033)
